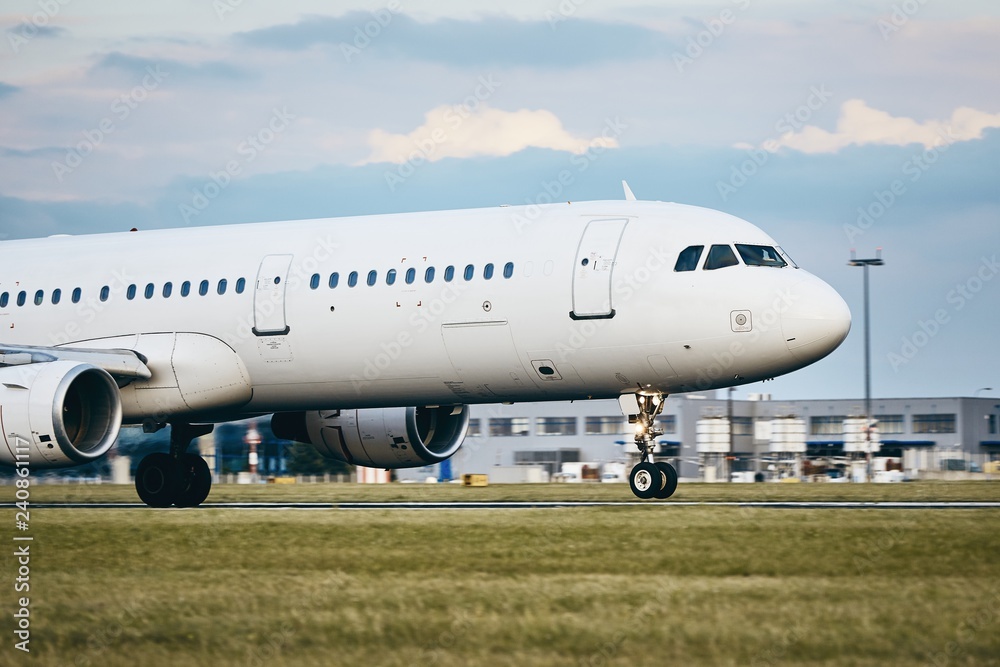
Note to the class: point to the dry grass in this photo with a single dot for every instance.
(591, 586)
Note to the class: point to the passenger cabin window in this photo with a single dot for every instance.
(449, 274)
(689, 257)
(203, 288)
(390, 277)
(314, 281)
(372, 278)
(488, 271)
(352, 279)
(4, 299)
(77, 293)
(411, 275)
(56, 296)
(130, 292)
(150, 290)
(719, 257)
(241, 285)
(760, 255)
(429, 275)
(334, 279)
(223, 285)
(470, 271)
(39, 297)
(508, 269)
(105, 293)
(23, 296)
(185, 288)
(168, 289)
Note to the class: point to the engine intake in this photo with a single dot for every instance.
(379, 437)
(59, 413)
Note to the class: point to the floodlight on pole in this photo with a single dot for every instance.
(865, 263)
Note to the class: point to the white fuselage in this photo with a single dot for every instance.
(546, 332)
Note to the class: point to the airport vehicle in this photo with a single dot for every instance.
(368, 337)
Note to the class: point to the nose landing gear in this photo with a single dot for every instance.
(648, 479)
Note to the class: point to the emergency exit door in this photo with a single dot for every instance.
(594, 269)
(269, 296)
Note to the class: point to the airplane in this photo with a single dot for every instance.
(368, 337)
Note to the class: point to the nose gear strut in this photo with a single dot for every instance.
(649, 479)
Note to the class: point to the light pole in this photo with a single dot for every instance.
(975, 394)
(865, 263)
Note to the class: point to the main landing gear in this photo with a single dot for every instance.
(179, 478)
(649, 479)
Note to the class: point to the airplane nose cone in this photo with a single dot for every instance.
(816, 320)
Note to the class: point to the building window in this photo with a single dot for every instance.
(552, 461)
(832, 425)
(742, 425)
(509, 426)
(934, 423)
(555, 426)
(890, 424)
(605, 425)
(475, 427)
(993, 423)
(668, 423)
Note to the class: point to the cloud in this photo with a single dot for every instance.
(860, 124)
(6, 90)
(43, 31)
(457, 131)
(138, 66)
(490, 41)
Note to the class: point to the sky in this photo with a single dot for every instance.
(831, 125)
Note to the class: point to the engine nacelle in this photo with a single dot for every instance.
(379, 437)
(57, 414)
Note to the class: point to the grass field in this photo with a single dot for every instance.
(650, 585)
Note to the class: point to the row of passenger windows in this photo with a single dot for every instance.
(222, 286)
(720, 256)
(204, 287)
(410, 276)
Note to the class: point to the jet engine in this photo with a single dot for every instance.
(57, 414)
(379, 437)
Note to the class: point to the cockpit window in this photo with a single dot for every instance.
(784, 255)
(719, 257)
(688, 259)
(760, 255)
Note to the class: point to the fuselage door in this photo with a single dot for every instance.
(594, 269)
(269, 296)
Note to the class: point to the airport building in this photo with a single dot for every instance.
(777, 438)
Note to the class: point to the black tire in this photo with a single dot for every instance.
(196, 481)
(157, 480)
(670, 475)
(646, 480)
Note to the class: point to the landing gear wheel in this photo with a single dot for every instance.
(158, 480)
(670, 477)
(646, 480)
(196, 481)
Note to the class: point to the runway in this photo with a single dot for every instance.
(415, 506)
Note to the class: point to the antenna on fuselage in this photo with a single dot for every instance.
(628, 192)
